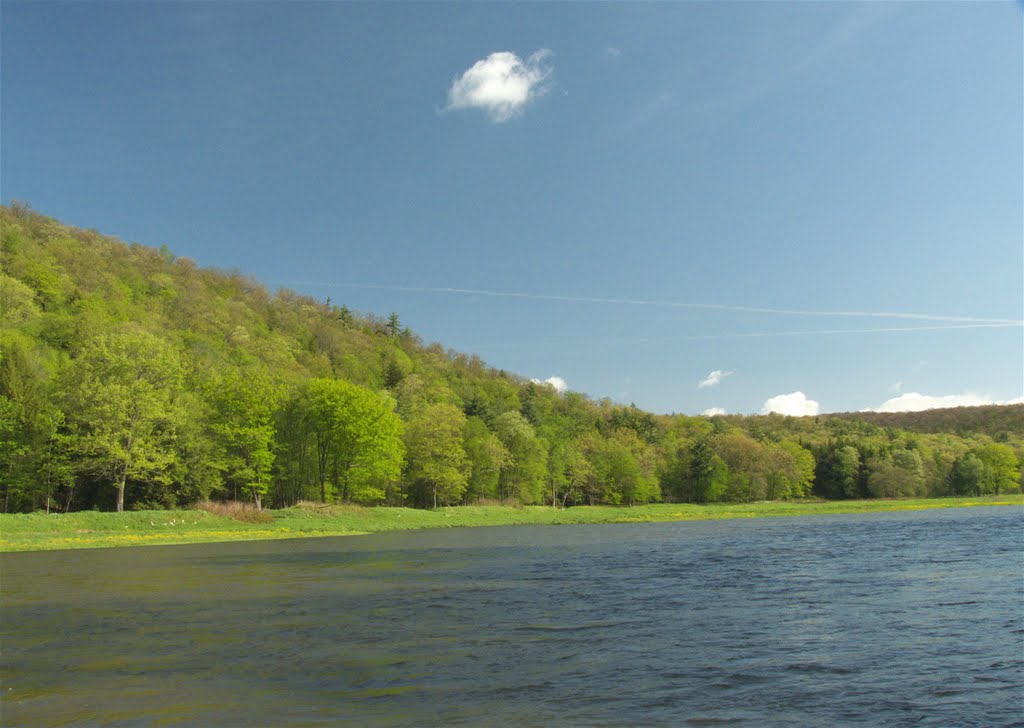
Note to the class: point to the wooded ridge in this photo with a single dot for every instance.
(131, 378)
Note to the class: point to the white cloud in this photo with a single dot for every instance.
(613, 51)
(712, 411)
(916, 402)
(558, 383)
(712, 379)
(501, 84)
(794, 403)
(896, 387)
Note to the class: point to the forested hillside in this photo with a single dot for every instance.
(996, 421)
(130, 378)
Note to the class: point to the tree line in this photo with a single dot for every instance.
(130, 378)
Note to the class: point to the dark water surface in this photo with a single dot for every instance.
(889, 619)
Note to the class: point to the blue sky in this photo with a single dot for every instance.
(552, 186)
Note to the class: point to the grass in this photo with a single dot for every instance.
(211, 522)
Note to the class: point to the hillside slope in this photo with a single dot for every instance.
(993, 420)
(131, 377)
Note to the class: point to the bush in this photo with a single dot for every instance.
(244, 512)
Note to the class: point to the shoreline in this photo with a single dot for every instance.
(92, 529)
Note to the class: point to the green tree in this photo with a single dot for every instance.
(243, 404)
(800, 472)
(579, 474)
(436, 460)
(708, 475)
(122, 400)
(34, 460)
(523, 478)
(641, 485)
(357, 438)
(1003, 464)
(749, 465)
(899, 475)
(486, 456)
(846, 467)
(394, 326)
(971, 476)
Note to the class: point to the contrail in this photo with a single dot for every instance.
(668, 304)
(758, 334)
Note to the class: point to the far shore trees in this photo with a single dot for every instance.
(134, 379)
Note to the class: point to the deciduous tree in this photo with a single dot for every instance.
(122, 401)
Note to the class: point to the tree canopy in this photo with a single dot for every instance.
(131, 378)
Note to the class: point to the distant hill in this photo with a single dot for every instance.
(992, 420)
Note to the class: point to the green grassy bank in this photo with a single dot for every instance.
(90, 529)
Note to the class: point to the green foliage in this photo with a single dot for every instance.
(899, 475)
(132, 378)
(121, 394)
(797, 472)
(241, 424)
(437, 462)
(522, 478)
(992, 420)
(1003, 466)
(356, 438)
(972, 476)
(486, 457)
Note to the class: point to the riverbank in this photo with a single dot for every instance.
(92, 529)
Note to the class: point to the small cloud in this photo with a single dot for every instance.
(712, 379)
(795, 404)
(896, 387)
(713, 412)
(501, 84)
(916, 402)
(558, 383)
(613, 51)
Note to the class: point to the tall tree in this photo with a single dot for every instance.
(436, 460)
(122, 401)
(972, 476)
(1003, 464)
(523, 478)
(487, 457)
(394, 326)
(33, 454)
(243, 404)
(708, 474)
(357, 438)
(898, 475)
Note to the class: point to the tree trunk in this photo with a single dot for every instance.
(120, 493)
(434, 488)
(259, 501)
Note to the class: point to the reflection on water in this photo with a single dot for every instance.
(885, 619)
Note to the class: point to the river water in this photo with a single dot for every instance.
(889, 619)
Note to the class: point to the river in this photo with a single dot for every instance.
(910, 618)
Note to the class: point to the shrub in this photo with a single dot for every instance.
(244, 512)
